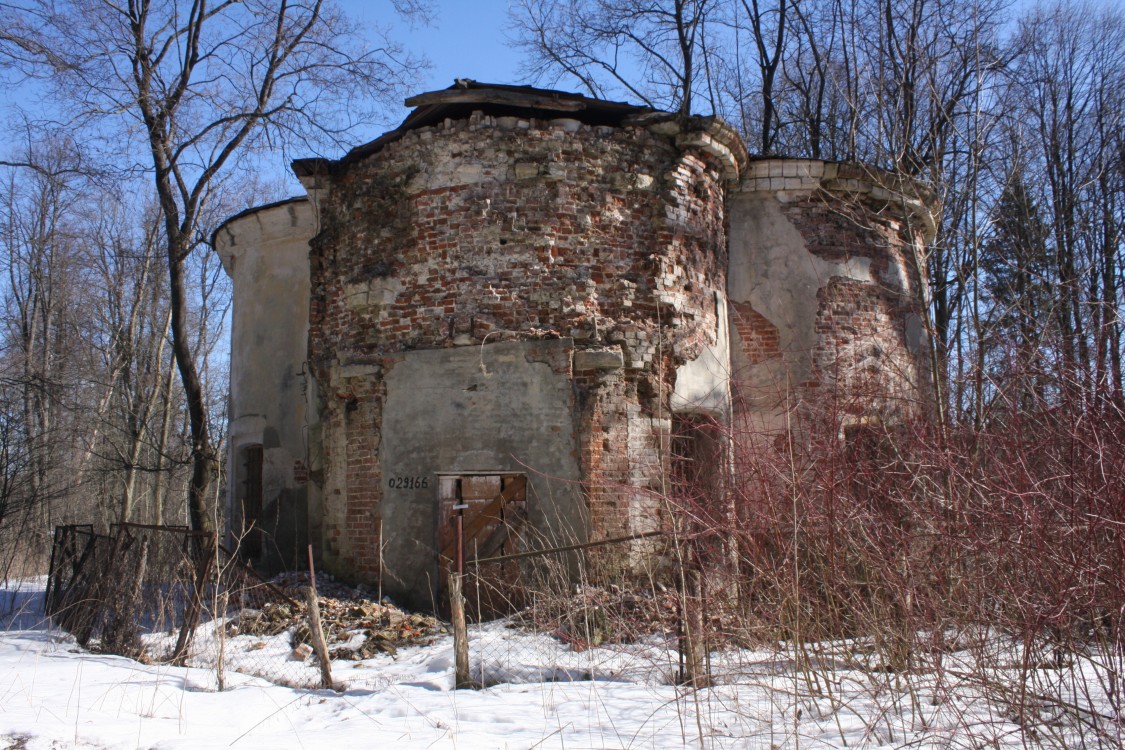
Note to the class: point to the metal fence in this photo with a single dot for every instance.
(538, 616)
(167, 594)
(110, 590)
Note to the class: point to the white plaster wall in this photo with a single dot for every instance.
(265, 252)
(703, 384)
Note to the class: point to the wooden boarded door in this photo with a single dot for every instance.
(480, 516)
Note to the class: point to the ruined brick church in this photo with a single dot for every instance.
(512, 304)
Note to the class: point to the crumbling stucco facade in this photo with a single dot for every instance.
(265, 252)
(521, 292)
(827, 294)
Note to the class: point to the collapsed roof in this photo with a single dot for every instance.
(466, 96)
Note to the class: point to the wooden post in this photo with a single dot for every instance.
(460, 633)
(316, 633)
(460, 561)
(693, 644)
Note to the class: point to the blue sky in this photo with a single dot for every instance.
(467, 39)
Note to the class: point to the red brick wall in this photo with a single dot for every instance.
(759, 337)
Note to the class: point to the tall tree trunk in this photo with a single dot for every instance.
(204, 464)
(160, 494)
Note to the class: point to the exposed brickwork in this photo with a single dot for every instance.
(864, 359)
(759, 337)
(562, 233)
(864, 353)
(456, 256)
(488, 229)
(351, 421)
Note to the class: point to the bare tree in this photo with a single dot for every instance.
(768, 29)
(652, 50)
(1066, 89)
(202, 85)
(40, 260)
(131, 323)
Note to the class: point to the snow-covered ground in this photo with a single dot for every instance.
(56, 695)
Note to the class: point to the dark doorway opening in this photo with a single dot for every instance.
(250, 532)
(698, 453)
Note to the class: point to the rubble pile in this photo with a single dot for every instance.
(294, 583)
(355, 627)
